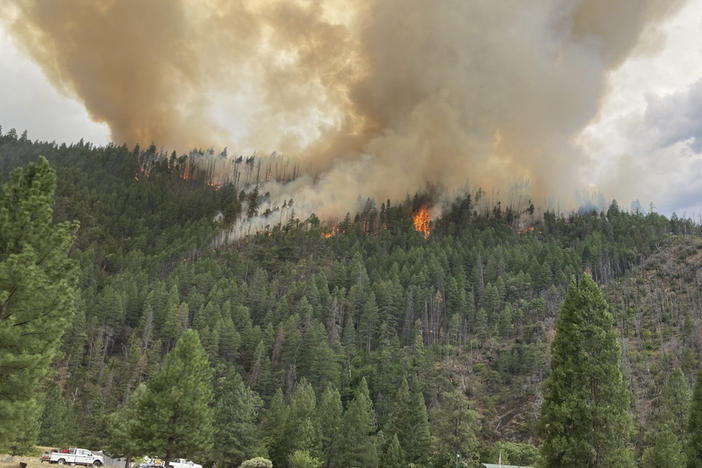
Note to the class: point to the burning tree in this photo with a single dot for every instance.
(421, 222)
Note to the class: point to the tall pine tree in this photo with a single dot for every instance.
(175, 414)
(666, 434)
(121, 426)
(584, 417)
(358, 429)
(236, 414)
(36, 298)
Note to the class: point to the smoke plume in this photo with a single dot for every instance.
(377, 98)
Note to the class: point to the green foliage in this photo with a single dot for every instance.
(694, 426)
(257, 462)
(329, 414)
(358, 429)
(58, 421)
(457, 426)
(666, 451)
(36, 298)
(121, 428)
(273, 428)
(470, 308)
(513, 453)
(174, 414)
(302, 459)
(666, 435)
(235, 421)
(584, 416)
(302, 430)
(394, 456)
(409, 422)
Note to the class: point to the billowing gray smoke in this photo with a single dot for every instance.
(379, 98)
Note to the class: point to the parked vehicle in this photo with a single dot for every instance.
(73, 456)
(183, 463)
(175, 463)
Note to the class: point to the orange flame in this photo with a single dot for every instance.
(141, 172)
(421, 222)
(331, 233)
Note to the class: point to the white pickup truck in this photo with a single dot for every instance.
(73, 456)
(183, 463)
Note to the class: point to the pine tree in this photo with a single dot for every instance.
(367, 327)
(329, 413)
(455, 425)
(358, 429)
(303, 459)
(584, 416)
(273, 427)
(420, 444)
(175, 416)
(409, 422)
(58, 421)
(694, 426)
(121, 427)
(675, 402)
(394, 456)
(236, 413)
(667, 450)
(666, 436)
(302, 431)
(36, 298)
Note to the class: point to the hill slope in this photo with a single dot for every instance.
(464, 317)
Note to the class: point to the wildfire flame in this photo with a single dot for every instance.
(141, 172)
(421, 222)
(331, 233)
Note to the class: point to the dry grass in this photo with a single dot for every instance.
(7, 461)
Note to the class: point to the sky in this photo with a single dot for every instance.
(28, 101)
(649, 132)
(644, 144)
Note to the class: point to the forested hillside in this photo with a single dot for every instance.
(415, 349)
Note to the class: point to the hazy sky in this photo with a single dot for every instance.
(29, 102)
(647, 136)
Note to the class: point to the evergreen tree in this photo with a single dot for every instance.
(667, 450)
(675, 403)
(121, 428)
(273, 427)
(302, 459)
(694, 426)
(235, 417)
(409, 422)
(58, 421)
(584, 416)
(666, 435)
(358, 429)
(302, 431)
(36, 298)
(329, 414)
(175, 416)
(455, 425)
(394, 456)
